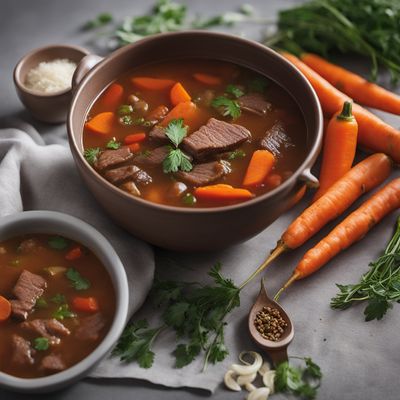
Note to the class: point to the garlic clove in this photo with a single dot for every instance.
(264, 368)
(248, 369)
(269, 380)
(259, 394)
(230, 382)
(243, 379)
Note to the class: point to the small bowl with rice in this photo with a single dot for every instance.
(43, 80)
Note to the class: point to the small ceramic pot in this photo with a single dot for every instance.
(46, 107)
(194, 229)
(50, 222)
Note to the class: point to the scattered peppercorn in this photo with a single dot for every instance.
(270, 324)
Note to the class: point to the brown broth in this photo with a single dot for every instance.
(284, 109)
(71, 349)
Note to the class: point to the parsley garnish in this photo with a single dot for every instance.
(234, 91)
(113, 144)
(236, 154)
(63, 312)
(41, 303)
(58, 243)
(176, 159)
(77, 281)
(58, 299)
(125, 109)
(41, 343)
(227, 106)
(100, 20)
(135, 344)
(257, 85)
(128, 120)
(379, 287)
(91, 154)
(299, 381)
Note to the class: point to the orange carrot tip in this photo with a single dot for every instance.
(152, 83)
(222, 192)
(260, 166)
(134, 147)
(135, 138)
(101, 123)
(179, 94)
(208, 79)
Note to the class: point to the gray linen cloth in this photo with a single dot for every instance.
(356, 357)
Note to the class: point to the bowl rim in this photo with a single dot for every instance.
(306, 164)
(17, 69)
(111, 260)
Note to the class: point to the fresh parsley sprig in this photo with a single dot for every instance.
(77, 281)
(176, 159)
(91, 154)
(227, 107)
(113, 144)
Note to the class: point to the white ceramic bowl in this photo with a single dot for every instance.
(50, 222)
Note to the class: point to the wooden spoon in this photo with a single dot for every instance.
(277, 350)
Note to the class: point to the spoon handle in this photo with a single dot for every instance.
(278, 356)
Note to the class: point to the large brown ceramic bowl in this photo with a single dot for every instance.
(194, 229)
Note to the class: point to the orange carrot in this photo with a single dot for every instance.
(363, 177)
(179, 94)
(260, 166)
(186, 110)
(353, 228)
(340, 145)
(74, 254)
(112, 97)
(5, 309)
(135, 138)
(135, 147)
(207, 79)
(272, 181)
(355, 86)
(101, 123)
(85, 304)
(152, 83)
(221, 192)
(373, 133)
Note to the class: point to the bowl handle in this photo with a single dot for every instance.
(85, 65)
(310, 180)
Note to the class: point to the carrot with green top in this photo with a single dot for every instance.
(340, 144)
(222, 193)
(102, 123)
(353, 85)
(112, 97)
(261, 164)
(353, 228)
(152, 83)
(373, 133)
(179, 94)
(5, 309)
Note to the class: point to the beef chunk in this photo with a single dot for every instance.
(152, 158)
(131, 188)
(28, 246)
(128, 172)
(111, 158)
(158, 134)
(53, 362)
(27, 290)
(48, 328)
(157, 115)
(254, 103)
(22, 351)
(215, 137)
(90, 327)
(203, 174)
(275, 138)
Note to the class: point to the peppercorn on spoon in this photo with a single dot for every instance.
(276, 349)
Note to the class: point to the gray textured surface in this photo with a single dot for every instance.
(360, 360)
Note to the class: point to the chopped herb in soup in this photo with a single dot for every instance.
(56, 304)
(194, 133)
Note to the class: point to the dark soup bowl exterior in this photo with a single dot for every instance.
(194, 229)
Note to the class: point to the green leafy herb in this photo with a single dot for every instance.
(101, 20)
(234, 91)
(77, 281)
(227, 106)
(57, 243)
(129, 121)
(189, 199)
(176, 131)
(135, 344)
(91, 154)
(379, 287)
(233, 155)
(41, 343)
(257, 85)
(365, 27)
(300, 381)
(113, 144)
(41, 303)
(58, 299)
(63, 312)
(125, 109)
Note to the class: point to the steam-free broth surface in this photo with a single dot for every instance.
(278, 128)
(60, 271)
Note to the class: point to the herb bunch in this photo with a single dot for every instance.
(379, 287)
(366, 27)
